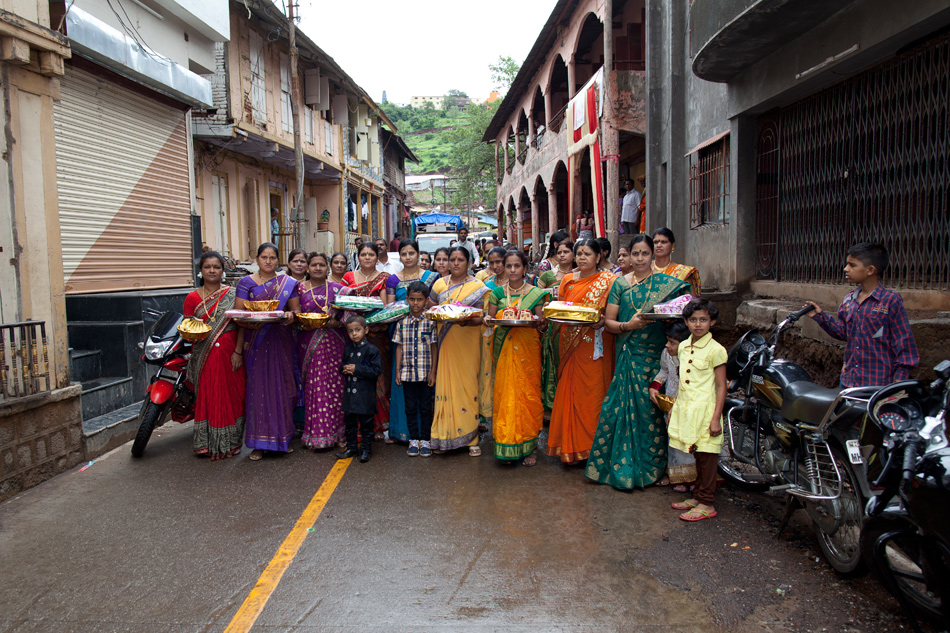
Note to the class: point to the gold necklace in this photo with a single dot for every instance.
(649, 293)
(204, 305)
(520, 296)
(326, 295)
(458, 293)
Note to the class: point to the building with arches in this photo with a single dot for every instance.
(541, 182)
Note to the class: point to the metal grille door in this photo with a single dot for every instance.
(867, 159)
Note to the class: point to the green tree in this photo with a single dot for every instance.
(503, 73)
(472, 161)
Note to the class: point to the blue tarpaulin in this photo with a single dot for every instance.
(435, 218)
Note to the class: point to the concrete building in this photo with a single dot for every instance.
(40, 416)
(436, 101)
(780, 133)
(395, 155)
(563, 113)
(245, 144)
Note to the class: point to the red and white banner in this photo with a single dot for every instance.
(584, 113)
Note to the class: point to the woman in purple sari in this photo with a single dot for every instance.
(269, 359)
(320, 353)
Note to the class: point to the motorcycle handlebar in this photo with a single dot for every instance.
(794, 316)
(913, 446)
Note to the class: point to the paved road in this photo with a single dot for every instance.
(175, 543)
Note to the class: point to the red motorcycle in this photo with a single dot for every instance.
(168, 390)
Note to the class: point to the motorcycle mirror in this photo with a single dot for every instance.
(943, 369)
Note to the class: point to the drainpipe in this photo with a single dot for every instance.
(610, 136)
(295, 111)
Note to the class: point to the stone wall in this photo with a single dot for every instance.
(40, 436)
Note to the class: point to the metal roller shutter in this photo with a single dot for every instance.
(124, 196)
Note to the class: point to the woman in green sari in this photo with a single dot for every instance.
(630, 443)
(551, 278)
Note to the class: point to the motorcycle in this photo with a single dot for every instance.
(168, 389)
(906, 537)
(784, 433)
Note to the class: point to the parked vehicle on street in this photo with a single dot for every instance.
(906, 537)
(784, 433)
(168, 390)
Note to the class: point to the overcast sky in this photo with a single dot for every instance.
(423, 47)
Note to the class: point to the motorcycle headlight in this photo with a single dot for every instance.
(155, 350)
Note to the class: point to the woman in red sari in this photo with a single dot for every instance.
(216, 366)
(366, 281)
(585, 359)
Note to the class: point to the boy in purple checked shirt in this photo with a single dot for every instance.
(879, 346)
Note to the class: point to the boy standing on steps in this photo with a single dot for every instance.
(362, 364)
(880, 346)
(416, 359)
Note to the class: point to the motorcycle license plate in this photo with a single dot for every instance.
(854, 452)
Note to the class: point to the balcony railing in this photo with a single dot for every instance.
(24, 360)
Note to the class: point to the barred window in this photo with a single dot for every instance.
(709, 184)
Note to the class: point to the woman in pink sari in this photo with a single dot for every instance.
(320, 352)
(269, 358)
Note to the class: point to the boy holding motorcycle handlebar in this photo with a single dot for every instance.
(879, 345)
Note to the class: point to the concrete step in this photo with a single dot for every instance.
(102, 395)
(105, 432)
(85, 364)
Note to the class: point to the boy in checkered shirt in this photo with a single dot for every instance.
(416, 360)
(879, 345)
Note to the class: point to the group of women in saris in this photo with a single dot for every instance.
(592, 379)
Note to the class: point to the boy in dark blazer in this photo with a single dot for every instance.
(362, 365)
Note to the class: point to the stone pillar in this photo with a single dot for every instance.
(552, 207)
(530, 136)
(547, 108)
(535, 223)
(571, 78)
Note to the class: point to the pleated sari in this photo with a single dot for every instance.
(630, 444)
(518, 410)
(455, 423)
(585, 368)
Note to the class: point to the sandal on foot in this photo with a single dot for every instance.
(684, 505)
(530, 460)
(698, 515)
(683, 488)
(474, 451)
(256, 455)
(664, 483)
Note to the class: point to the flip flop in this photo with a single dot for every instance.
(683, 505)
(255, 456)
(530, 460)
(698, 515)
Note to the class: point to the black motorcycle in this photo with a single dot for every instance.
(906, 538)
(786, 434)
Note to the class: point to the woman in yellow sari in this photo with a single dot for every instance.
(585, 359)
(455, 423)
(518, 411)
(663, 245)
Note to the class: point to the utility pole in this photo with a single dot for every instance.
(610, 135)
(295, 111)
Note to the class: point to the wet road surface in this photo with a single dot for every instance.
(450, 543)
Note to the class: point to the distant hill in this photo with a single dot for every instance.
(424, 130)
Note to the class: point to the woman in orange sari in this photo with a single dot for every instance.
(586, 359)
(517, 408)
(366, 281)
(663, 245)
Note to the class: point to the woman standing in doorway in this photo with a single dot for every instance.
(320, 353)
(585, 359)
(397, 289)
(216, 366)
(366, 281)
(269, 358)
(455, 423)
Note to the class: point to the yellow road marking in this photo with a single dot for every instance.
(247, 615)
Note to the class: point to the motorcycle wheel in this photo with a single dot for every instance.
(901, 569)
(842, 547)
(745, 476)
(151, 416)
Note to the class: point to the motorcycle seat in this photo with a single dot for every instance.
(807, 402)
